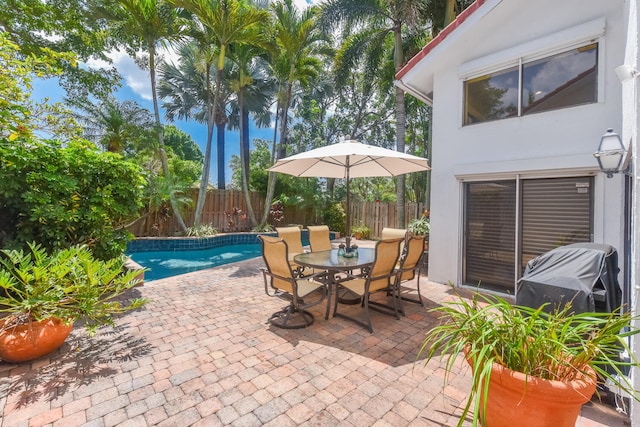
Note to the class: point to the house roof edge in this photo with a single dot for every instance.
(462, 17)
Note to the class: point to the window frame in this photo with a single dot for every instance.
(562, 41)
(522, 63)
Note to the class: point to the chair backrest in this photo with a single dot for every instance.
(387, 254)
(413, 254)
(319, 238)
(275, 255)
(293, 237)
(393, 233)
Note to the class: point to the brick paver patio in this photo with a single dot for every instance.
(201, 353)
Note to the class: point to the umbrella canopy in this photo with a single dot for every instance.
(350, 159)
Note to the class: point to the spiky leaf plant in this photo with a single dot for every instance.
(559, 345)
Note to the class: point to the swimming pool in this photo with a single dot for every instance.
(166, 257)
(162, 264)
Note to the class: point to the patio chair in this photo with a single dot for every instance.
(293, 237)
(319, 238)
(379, 278)
(409, 268)
(301, 293)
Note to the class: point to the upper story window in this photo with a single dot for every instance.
(562, 80)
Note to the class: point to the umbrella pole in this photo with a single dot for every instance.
(348, 225)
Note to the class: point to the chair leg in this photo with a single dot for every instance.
(418, 287)
(367, 316)
(395, 296)
(416, 301)
(291, 318)
(365, 305)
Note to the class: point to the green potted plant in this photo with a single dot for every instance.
(42, 295)
(421, 226)
(360, 231)
(530, 367)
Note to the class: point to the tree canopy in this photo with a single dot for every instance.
(316, 76)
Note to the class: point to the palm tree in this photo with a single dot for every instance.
(146, 24)
(118, 127)
(296, 60)
(378, 20)
(441, 12)
(185, 87)
(254, 90)
(221, 23)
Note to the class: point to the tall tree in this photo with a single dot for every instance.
(116, 126)
(147, 24)
(224, 22)
(183, 86)
(63, 26)
(254, 90)
(375, 21)
(296, 60)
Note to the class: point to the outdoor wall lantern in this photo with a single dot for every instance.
(610, 154)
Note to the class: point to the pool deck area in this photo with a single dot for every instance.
(202, 353)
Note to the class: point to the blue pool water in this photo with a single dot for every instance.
(166, 257)
(162, 264)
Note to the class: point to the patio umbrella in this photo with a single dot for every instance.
(350, 159)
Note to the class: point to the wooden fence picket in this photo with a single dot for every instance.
(375, 215)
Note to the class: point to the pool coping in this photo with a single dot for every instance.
(144, 244)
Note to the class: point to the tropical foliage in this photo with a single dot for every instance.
(68, 284)
(60, 196)
(58, 193)
(316, 76)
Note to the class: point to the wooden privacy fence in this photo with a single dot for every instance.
(377, 215)
(226, 211)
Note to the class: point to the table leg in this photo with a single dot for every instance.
(331, 283)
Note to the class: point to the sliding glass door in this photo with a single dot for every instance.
(509, 222)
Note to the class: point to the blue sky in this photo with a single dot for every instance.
(51, 89)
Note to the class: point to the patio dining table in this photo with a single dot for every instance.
(332, 262)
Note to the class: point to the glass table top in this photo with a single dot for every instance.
(329, 260)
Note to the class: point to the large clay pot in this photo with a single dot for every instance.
(514, 401)
(32, 341)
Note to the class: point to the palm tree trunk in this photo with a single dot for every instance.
(244, 155)
(163, 153)
(206, 167)
(281, 149)
(449, 12)
(221, 121)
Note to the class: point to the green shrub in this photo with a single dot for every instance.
(420, 226)
(60, 196)
(335, 218)
(202, 230)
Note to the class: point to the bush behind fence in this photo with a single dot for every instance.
(226, 211)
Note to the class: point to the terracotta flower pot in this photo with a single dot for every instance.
(515, 400)
(32, 341)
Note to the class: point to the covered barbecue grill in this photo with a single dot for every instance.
(585, 274)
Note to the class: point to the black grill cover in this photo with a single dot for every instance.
(585, 274)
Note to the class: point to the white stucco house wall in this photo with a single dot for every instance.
(522, 92)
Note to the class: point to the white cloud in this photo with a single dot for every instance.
(134, 77)
(138, 79)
